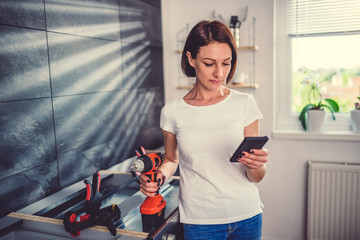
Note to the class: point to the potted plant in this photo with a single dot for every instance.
(355, 117)
(312, 115)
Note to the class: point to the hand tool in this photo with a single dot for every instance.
(93, 195)
(47, 220)
(153, 208)
(106, 216)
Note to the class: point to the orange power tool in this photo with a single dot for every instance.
(153, 208)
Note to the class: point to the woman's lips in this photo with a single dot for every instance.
(215, 82)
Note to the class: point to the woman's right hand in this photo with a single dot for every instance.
(150, 189)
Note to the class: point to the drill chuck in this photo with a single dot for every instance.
(147, 163)
(137, 166)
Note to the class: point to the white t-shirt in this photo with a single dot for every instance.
(212, 189)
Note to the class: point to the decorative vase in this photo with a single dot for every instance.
(235, 29)
(315, 120)
(355, 120)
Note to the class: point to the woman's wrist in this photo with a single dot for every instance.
(256, 175)
(163, 177)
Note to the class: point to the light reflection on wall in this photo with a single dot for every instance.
(138, 113)
(80, 87)
(84, 58)
(99, 19)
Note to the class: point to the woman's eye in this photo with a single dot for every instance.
(212, 64)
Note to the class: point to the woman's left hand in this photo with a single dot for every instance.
(254, 159)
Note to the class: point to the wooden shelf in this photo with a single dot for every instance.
(255, 47)
(242, 85)
(236, 85)
(241, 48)
(184, 87)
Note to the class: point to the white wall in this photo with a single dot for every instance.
(283, 190)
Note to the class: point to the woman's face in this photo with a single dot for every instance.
(212, 64)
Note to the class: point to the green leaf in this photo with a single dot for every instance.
(333, 104)
(331, 110)
(302, 116)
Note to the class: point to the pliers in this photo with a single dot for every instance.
(106, 216)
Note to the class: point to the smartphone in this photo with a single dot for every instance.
(247, 144)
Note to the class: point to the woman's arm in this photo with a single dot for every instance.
(255, 161)
(171, 162)
(167, 168)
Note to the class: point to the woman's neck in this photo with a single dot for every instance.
(201, 97)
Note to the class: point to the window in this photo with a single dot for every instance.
(317, 41)
(333, 63)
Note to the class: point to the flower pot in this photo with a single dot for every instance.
(315, 120)
(355, 120)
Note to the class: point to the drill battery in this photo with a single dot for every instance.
(152, 213)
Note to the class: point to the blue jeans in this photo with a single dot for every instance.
(248, 229)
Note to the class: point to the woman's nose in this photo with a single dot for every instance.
(218, 71)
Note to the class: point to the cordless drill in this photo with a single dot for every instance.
(153, 208)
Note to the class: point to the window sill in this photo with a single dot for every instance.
(326, 135)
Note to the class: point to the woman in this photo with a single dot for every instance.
(217, 199)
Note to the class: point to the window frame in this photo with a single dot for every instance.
(284, 118)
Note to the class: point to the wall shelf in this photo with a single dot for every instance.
(241, 85)
(243, 48)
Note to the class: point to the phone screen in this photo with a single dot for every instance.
(247, 144)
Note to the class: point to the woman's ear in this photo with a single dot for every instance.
(190, 59)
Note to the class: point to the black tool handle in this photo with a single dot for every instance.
(93, 195)
(107, 216)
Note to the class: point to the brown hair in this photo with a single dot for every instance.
(201, 35)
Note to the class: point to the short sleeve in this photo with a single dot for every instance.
(252, 112)
(165, 122)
